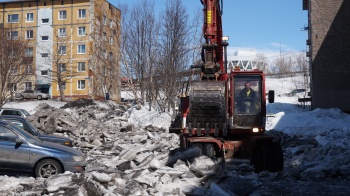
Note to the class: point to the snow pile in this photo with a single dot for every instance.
(316, 122)
(143, 117)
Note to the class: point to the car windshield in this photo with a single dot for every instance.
(33, 128)
(25, 112)
(25, 134)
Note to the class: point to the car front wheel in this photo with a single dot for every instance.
(39, 97)
(47, 168)
(21, 97)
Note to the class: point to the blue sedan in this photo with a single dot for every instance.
(24, 124)
(22, 152)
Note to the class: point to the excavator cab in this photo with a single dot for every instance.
(248, 103)
(247, 93)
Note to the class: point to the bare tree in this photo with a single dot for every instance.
(128, 72)
(150, 34)
(154, 53)
(262, 62)
(139, 48)
(12, 57)
(60, 57)
(283, 65)
(302, 65)
(176, 44)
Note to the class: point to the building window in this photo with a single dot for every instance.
(44, 54)
(12, 18)
(14, 70)
(110, 40)
(29, 17)
(63, 84)
(81, 66)
(45, 38)
(81, 49)
(104, 20)
(28, 69)
(81, 84)
(62, 50)
(29, 34)
(45, 21)
(28, 52)
(62, 67)
(12, 87)
(104, 54)
(62, 15)
(44, 72)
(82, 13)
(28, 85)
(81, 31)
(13, 35)
(110, 56)
(62, 32)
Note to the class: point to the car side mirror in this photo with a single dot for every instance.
(271, 96)
(19, 140)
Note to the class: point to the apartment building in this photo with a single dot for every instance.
(328, 51)
(73, 46)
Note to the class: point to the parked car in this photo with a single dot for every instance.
(14, 111)
(20, 151)
(295, 91)
(32, 94)
(24, 124)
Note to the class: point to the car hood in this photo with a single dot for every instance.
(49, 146)
(58, 137)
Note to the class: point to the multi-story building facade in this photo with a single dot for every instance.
(74, 48)
(328, 51)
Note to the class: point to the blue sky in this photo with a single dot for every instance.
(267, 26)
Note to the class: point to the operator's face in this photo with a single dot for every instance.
(247, 85)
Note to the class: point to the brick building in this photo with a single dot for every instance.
(72, 42)
(329, 52)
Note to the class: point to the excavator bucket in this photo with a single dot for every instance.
(207, 105)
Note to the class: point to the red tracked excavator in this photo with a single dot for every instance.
(224, 113)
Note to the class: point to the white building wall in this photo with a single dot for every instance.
(44, 46)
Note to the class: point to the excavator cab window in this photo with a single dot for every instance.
(247, 95)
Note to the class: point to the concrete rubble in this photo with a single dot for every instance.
(128, 160)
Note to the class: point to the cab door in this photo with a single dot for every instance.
(13, 156)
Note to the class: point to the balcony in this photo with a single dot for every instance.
(305, 4)
(308, 54)
(308, 42)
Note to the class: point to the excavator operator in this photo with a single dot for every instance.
(246, 98)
